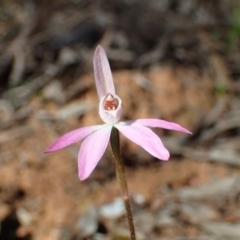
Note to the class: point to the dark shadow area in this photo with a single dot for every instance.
(9, 227)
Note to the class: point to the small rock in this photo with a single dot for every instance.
(53, 91)
(198, 213)
(67, 56)
(138, 199)
(75, 109)
(144, 221)
(217, 188)
(6, 110)
(113, 210)
(65, 233)
(223, 230)
(24, 216)
(87, 224)
(122, 233)
(100, 236)
(164, 218)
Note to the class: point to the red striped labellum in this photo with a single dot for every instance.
(110, 103)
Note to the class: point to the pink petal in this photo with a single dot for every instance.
(159, 123)
(145, 138)
(72, 137)
(91, 151)
(103, 74)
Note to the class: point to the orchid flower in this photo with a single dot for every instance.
(95, 138)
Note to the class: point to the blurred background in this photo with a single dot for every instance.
(174, 60)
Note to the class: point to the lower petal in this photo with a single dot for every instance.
(145, 138)
(92, 150)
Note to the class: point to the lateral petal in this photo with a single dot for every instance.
(145, 138)
(150, 122)
(72, 137)
(92, 150)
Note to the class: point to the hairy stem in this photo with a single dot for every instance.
(115, 144)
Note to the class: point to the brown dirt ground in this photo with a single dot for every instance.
(48, 185)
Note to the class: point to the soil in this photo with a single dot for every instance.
(192, 80)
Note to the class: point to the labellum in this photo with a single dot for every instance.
(110, 103)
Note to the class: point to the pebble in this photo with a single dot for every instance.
(54, 91)
(24, 216)
(113, 210)
(198, 213)
(6, 110)
(217, 188)
(87, 224)
(164, 218)
(75, 109)
(138, 199)
(223, 230)
(144, 221)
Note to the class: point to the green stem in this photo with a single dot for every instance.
(115, 144)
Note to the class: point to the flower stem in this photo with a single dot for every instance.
(115, 144)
